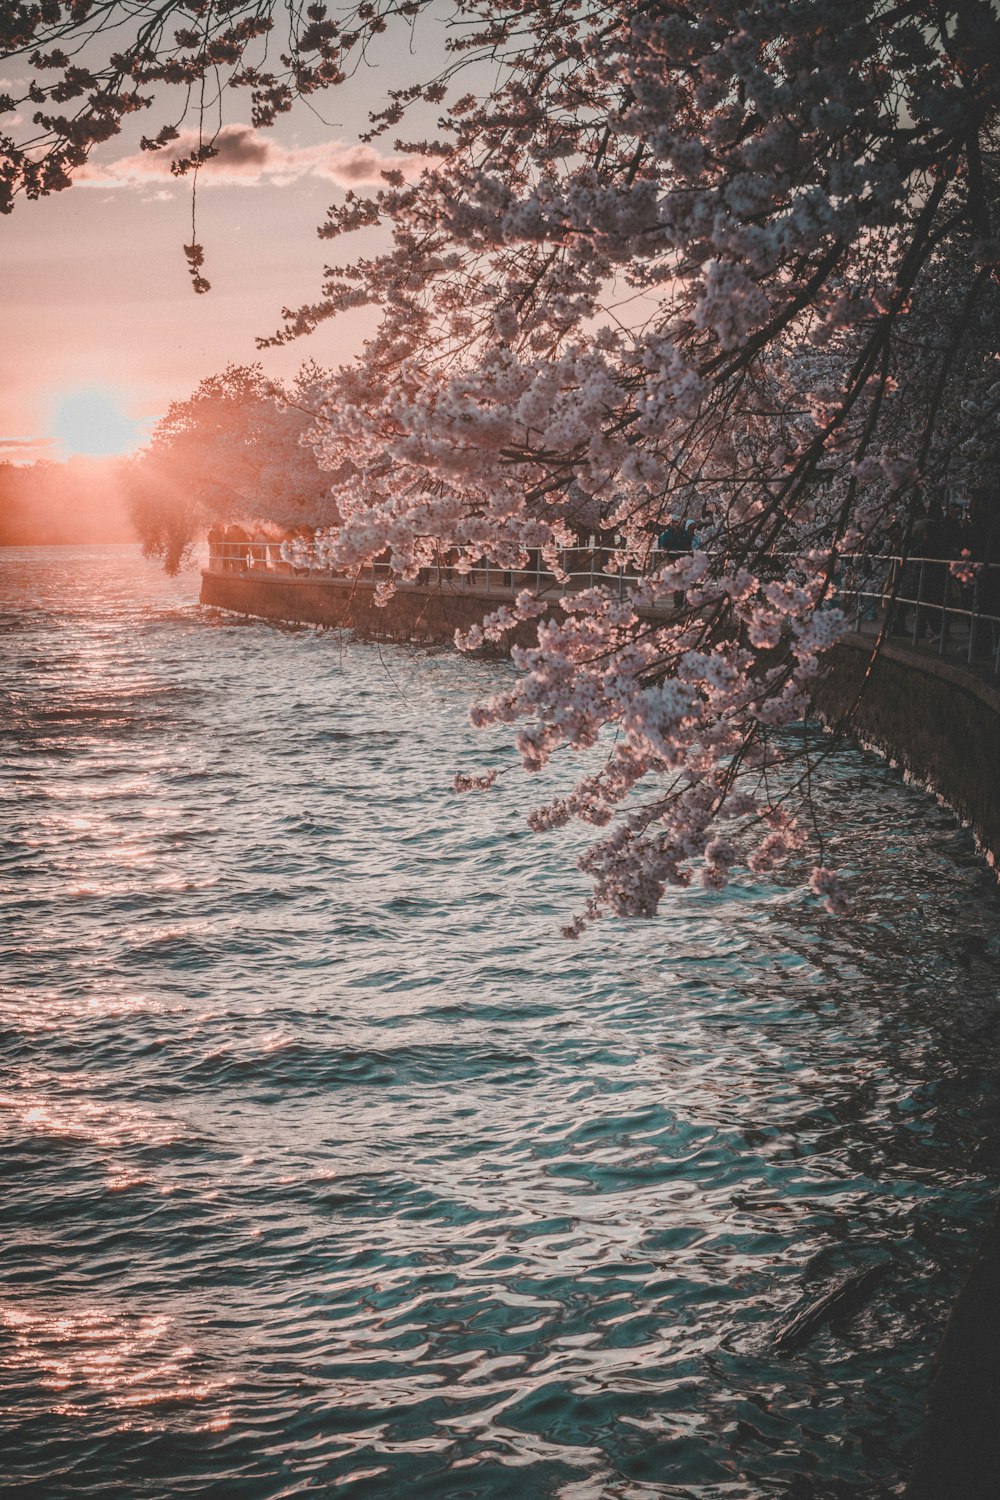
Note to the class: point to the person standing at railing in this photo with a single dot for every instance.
(258, 548)
(236, 548)
(675, 538)
(215, 540)
(275, 562)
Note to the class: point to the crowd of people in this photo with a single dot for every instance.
(235, 548)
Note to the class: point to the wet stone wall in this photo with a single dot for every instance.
(940, 723)
(413, 614)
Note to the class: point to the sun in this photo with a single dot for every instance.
(92, 420)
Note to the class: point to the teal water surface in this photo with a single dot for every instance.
(330, 1168)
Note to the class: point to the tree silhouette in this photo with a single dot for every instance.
(232, 451)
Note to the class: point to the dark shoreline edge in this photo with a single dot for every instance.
(940, 724)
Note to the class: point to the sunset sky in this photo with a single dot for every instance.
(102, 328)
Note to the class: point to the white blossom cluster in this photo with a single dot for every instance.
(723, 267)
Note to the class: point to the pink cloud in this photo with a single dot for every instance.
(15, 450)
(247, 156)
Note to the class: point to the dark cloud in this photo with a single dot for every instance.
(247, 156)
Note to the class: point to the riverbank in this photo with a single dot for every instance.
(430, 613)
(939, 722)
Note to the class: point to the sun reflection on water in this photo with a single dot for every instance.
(68, 1106)
(128, 1362)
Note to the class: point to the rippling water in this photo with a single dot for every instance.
(330, 1168)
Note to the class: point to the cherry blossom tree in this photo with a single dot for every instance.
(666, 259)
(671, 264)
(232, 451)
(80, 71)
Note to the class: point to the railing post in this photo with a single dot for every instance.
(973, 618)
(945, 586)
(918, 613)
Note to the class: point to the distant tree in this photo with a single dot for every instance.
(232, 450)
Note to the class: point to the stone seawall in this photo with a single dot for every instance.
(414, 613)
(938, 721)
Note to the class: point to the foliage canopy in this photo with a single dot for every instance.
(731, 262)
(232, 450)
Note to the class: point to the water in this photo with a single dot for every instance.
(330, 1168)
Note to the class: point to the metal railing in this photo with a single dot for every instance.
(584, 567)
(955, 604)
